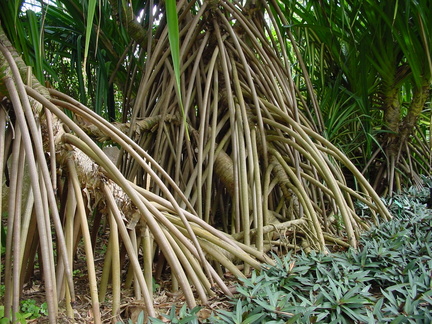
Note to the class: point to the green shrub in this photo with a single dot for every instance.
(304, 288)
(388, 279)
(31, 310)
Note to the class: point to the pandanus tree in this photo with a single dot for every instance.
(219, 163)
(370, 62)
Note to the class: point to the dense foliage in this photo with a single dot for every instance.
(387, 280)
(370, 65)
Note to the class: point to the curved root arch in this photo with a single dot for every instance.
(75, 187)
(253, 158)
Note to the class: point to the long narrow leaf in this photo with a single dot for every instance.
(35, 39)
(90, 16)
(174, 40)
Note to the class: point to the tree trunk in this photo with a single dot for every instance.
(396, 141)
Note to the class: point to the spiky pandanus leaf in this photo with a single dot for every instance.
(373, 60)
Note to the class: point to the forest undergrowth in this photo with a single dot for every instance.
(386, 280)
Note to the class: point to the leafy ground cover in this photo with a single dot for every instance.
(387, 280)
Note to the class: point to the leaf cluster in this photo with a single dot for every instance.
(32, 310)
(361, 56)
(388, 279)
(305, 288)
(29, 310)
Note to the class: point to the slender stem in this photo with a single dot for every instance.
(147, 247)
(87, 241)
(129, 248)
(70, 211)
(107, 268)
(25, 111)
(39, 208)
(18, 169)
(115, 262)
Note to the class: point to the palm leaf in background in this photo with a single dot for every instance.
(378, 56)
